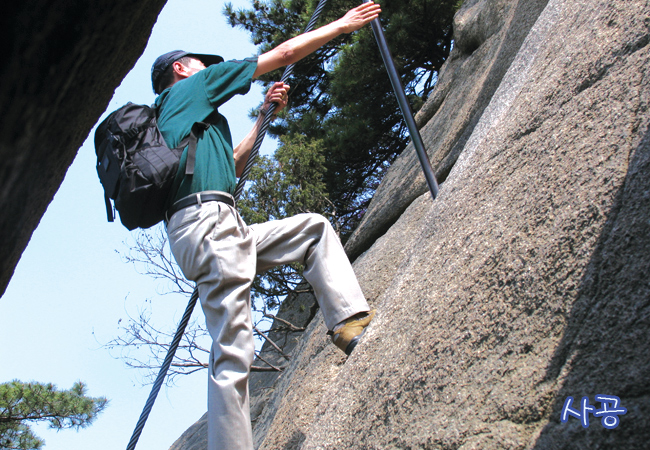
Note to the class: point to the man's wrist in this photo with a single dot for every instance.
(264, 111)
(338, 27)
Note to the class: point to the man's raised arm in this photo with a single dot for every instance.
(297, 48)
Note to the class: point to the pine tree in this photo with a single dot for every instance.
(21, 403)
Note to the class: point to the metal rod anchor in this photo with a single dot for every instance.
(405, 107)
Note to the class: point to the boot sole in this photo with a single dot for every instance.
(353, 343)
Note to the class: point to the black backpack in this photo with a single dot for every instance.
(135, 166)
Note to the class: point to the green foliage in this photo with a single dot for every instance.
(288, 184)
(18, 436)
(24, 402)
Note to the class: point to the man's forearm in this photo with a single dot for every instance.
(297, 48)
(277, 94)
(243, 149)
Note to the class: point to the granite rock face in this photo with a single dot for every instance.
(526, 281)
(62, 63)
(487, 36)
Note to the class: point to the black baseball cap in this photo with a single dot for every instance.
(162, 63)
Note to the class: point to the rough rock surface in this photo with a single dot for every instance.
(526, 281)
(487, 36)
(61, 64)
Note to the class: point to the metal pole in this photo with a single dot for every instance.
(405, 106)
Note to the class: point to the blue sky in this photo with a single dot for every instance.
(71, 286)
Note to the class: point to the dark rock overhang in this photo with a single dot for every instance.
(62, 63)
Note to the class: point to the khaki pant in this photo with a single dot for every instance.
(217, 250)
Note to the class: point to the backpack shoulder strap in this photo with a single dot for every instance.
(189, 141)
(196, 131)
(109, 208)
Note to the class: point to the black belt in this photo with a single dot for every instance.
(193, 200)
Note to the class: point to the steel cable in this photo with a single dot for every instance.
(269, 113)
(163, 370)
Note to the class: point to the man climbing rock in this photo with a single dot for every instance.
(211, 243)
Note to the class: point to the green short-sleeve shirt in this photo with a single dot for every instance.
(193, 100)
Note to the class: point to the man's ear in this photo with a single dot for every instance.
(179, 69)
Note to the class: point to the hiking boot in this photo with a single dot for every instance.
(347, 336)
